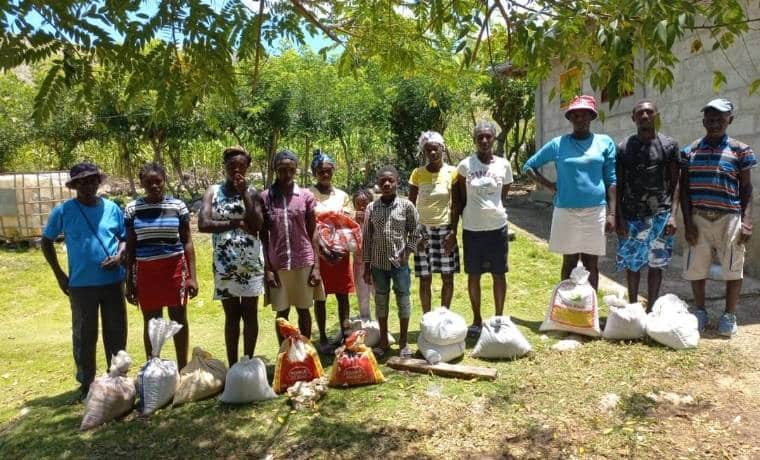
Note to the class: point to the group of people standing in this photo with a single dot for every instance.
(265, 243)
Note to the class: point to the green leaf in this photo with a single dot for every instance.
(754, 86)
(661, 31)
(719, 79)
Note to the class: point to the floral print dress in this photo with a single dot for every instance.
(238, 256)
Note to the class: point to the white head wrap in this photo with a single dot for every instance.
(429, 137)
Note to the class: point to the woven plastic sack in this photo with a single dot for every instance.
(573, 306)
(298, 359)
(500, 338)
(355, 364)
(337, 233)
(434, 353)
(443, 327)
(625, 321)
(111, 395)
(158, 379)
(201, 378)
(247, 382)
(372, 330)
(671, 324)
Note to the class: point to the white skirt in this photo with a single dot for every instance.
(578, 230)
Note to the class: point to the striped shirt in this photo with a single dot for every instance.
(389, 229)
(157, 227)
(714, 173)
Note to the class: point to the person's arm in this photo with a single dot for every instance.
(546, 154)
(185, 236)
(621, 226)
(253, 216)
(610, 182)
(609, 226)
(131, 247)
(311, 229)
(745, 195)
(675, 190)
(690, 230)
(208, 225)
(413, 192)
(270, 274)
(458, 201)
(411, 233)
(48, 250)
(112, 262)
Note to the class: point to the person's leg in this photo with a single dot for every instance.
(304, 321)
(733, 289)
(344, 310)
(114, 318)
(182, 337)
(698, 289)
(232, 314)
(381, 282)
(147, 316)
(320, 312)
(473, 289)
(83, 310)
(633, 279)
(654, 281)
(499, 292)
(426, 294)
(250, 315)
(402, 283)
(591, 262)
(447, 289)
(569, 262)
(281, 314)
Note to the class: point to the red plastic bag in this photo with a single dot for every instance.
(338, 234)
(355, 364)
(298, 359)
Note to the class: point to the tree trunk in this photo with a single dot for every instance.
(126, 157)
(175, 158)
(347, 153)
(306, 161)
(271, 150)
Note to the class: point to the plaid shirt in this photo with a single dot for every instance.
(388, 230)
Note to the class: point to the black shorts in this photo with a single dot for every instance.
(485, 252)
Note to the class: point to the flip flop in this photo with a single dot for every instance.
(379, 352)
(406, 352)
(474, 331)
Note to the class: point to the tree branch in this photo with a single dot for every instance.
(309, 16)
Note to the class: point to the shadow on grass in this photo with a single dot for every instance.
(206, 428)
(532, 325)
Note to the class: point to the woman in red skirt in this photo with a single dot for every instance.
(160, 257)
(335, 268)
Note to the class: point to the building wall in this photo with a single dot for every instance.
(679, 107)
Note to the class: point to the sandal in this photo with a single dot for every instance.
(474, 331)
(379, 352)
(406, 352)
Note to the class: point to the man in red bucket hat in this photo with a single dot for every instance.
(584, 192)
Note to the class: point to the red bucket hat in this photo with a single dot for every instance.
(582, 103)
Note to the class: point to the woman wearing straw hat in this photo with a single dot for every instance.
(584, 192)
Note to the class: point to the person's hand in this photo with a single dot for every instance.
(553, 187)
(131, 292)
(621, 228)
(449, 243)
(239, 183)
(422, 244)
(367, 275)
(273, 280)
(691, 234)
(404, 259)
(609, 226)
(745, 235)
(314, 278)
(192, 287)
(63, 282)
(111, 262)
(671, 227)
(359, 217)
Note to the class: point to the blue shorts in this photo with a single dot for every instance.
(402, 282)
(646, 244)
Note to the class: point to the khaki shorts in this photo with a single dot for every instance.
(294, 290)
(721, 236)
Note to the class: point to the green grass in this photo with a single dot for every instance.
(542, 405)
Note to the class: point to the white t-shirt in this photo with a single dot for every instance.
(484, 210)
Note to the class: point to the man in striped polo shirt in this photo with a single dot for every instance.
(716, 201)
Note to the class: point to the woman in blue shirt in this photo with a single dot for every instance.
(584, 192)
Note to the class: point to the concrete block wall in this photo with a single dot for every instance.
(680, 106)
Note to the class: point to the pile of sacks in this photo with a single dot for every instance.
(442, 335)
(669, 322)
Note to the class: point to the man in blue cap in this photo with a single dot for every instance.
(716, 201)
(94, 232)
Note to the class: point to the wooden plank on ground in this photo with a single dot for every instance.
(442, 369)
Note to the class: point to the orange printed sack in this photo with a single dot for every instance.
(355, 364)
(337, 233)
(297, 361)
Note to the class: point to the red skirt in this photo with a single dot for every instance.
(337, 278)
(161, 283)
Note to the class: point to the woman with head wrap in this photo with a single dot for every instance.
(430, 191)
(231, 211)
(291, 265)
(335, 268)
